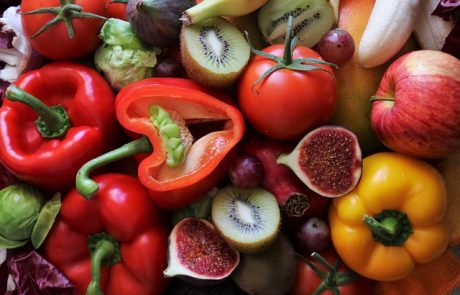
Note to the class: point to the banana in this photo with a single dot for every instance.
(335, 7)
(430, 30)
(212, 8)
(390, 25)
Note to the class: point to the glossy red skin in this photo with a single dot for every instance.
(286, 104)
(117, 10)
(307, 280)
(188, 188)
(55, 42)
(52, 164)
(123, 209)
(424, 119)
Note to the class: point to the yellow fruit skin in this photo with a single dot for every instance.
(356, 84)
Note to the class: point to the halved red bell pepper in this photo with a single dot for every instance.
(115, 243)
(75, 106)
(145, 108)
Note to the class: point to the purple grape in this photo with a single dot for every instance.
(167, 68)
(312, 236)
(336, 46)
(246, 171)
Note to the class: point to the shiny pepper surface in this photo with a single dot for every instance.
(392, 220)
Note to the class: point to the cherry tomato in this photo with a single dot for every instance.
(55, 42)
(331, 275)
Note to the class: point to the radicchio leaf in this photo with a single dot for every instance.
(34, 275)
(6, 178)
(450, 10)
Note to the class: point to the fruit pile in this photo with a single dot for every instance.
(229, 146)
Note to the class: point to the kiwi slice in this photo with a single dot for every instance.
(214, 52)
(247, 218)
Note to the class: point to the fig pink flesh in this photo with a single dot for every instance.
(329, 159)
(201, 250)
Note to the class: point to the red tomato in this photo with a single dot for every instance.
(117, 10)
(55, 42)
(308, 281)
(287, 103)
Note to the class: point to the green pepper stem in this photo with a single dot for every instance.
(88, 187)
(52, 122)
(387, 228)
(104, 249)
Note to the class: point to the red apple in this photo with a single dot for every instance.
(416, 110)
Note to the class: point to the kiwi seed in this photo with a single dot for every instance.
(247, 218)
(214, 52)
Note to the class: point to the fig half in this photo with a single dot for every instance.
(328, 160)
(198, 254)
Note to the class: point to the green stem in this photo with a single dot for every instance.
(387, 229)
(52, 122)
(390, 227)
(379, 98)
(88, 187)
(105, 251)
(287, 56)
(67, 11)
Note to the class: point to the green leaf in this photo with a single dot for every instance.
(45, 220)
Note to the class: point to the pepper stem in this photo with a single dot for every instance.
(52, 121)
(390, 227)
(104, 251)
(88, 187)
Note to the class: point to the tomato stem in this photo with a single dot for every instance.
(287, 62)
(67, 11)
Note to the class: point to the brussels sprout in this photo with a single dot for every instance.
(124, 58)
(25, 215)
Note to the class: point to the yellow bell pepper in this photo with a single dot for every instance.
(393, 219)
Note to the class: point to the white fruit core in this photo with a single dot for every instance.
(215, 42)
(245, 213)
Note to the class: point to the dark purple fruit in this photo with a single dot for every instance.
(336, 46)
(167, 68)
(328, 160)
(246, 171)
(197, 252)
(312, 236)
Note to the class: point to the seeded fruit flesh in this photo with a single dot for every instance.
(328, 160)
(312, 18)
(197, 251)
(248, 219)
(214, 52)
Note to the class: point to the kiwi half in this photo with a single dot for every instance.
(214, 52)
(248, 219)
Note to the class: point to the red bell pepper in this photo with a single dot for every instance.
(145, 108)
(79, 125)
(115, 243)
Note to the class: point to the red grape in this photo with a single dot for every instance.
(336, 46)
(246, 171)
(312, 236)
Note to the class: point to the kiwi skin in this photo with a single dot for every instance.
(202, 75)
(271, 272)
(250, 248)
